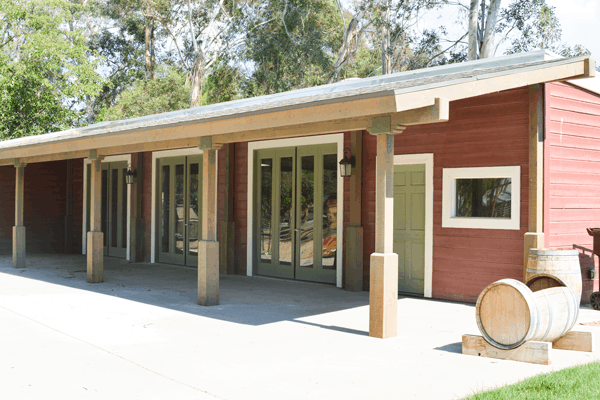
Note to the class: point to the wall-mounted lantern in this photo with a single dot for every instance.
(129, 175)
(347, 163)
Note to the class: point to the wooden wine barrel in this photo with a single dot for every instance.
(508, 313)
(563, 264)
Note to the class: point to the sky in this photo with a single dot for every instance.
(579, 19)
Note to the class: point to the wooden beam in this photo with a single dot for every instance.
(534, 238)
(577, 341)
(531, 351)
(193, 130)
(208, 247)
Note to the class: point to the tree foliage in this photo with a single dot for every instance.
(46, 68)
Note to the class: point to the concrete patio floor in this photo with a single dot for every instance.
(140, 334)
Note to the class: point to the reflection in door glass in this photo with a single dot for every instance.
(124, 208)
(104, 210)
(307, 195)
(165, 199)
(114, 206)
(329, 211)
(193, 212)
(285, 211)
(266, 183)
(179, 208)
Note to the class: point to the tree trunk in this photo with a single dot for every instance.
(148, 47)
(386, 67)
(487, 50)
(473, 19)
(197, 80)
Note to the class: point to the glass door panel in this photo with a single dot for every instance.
(193, 207)
(274, 214)
(117, 210)
(179, 208)
(316, 246)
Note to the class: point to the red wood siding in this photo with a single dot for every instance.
(484, 131)
(147, 205)
(77, 205)
(44, 208)
(240, 208)
(572, 172)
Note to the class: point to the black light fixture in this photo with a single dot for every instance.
(347, 163)
(129, 175)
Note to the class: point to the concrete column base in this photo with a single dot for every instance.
(18, 250)
(95, 257)
(354, 259)
(208, 273)
(531, 240)
(227, 247)
(383, 296)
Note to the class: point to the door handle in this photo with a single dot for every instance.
(297, 230)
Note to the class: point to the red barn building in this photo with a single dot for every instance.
(456, 172)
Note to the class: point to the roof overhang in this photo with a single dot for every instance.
(408, 98)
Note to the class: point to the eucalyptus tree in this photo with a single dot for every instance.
(46, 68)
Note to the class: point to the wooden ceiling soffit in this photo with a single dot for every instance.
(472, 87)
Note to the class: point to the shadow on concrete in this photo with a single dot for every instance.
(451, 348)
(334, 328)
(243, 299)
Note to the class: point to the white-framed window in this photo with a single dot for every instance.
(481, 198)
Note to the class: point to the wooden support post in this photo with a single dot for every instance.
(531, 351)
(534, 238)
(383, 296)
(19, 228)
(95, 237)
(354, 232)
(227, 238)
(208, 247)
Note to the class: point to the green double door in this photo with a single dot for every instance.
(179, 191)
(295, 213)
(113, 208)
(409, 227)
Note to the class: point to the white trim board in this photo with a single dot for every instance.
(164, 154)
(292, 142)
(450, 175)
(109, 159)
(427, 159)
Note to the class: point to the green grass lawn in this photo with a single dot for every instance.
(582, 382)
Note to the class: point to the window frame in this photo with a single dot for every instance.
(450, 175)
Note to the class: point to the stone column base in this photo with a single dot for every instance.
(354, 259)
(383, 296)
(18, 244)
(208, 273)
(95, 257)
(227, 247)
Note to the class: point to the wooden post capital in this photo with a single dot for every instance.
(19, 164)
(207, 143)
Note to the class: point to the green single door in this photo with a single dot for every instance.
(178, 208)
(295, 216)
(409, 227)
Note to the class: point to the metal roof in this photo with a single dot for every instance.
(353, 89)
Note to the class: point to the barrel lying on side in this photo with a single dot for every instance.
(553, 267)
(508, 313)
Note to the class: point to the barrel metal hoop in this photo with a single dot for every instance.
(549, 315)
(533, 271)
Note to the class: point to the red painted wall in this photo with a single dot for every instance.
(44, 208)
(77, 205)
(240, 208)
(484, 131)
(572, 172)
